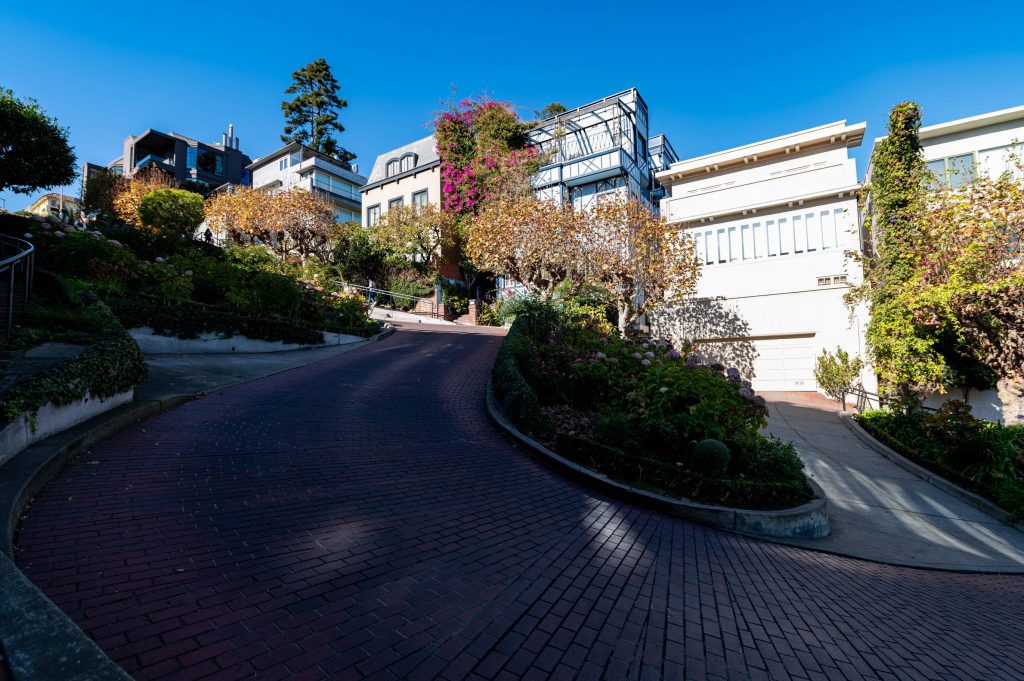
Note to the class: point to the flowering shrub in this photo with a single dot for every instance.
(483, 151)
(248, 279)
(636, 409)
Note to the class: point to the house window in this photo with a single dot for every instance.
(419, 199)
(395, 203)
(840, 279)
(408, 161)
(994, 162)
(824, 281)
(282, 164)
(372, 215)
(960, 170)
(392, 168)
(954, 171)
(210, 162)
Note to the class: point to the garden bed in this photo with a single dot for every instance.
(981, 457)
(638, 412)
(74, 389)
(189, 320)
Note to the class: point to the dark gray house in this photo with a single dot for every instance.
(185, 158)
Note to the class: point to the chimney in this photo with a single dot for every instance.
(355, 168)
(236, 144)
(231, 133)
(224, 139)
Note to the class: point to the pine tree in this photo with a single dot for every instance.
(312, 116)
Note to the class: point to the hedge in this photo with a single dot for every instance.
(518, 400)
(186, 319)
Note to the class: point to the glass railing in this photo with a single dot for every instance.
(153, 158)
(337, 188)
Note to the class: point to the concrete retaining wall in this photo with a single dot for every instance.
(210, 342)
(51, 419)
(808, 521)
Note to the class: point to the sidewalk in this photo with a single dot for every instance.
(879, 511)
(199, 373)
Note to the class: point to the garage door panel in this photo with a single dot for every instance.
(784, 364)
(779, 363)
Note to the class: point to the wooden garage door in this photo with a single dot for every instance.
(784, 364)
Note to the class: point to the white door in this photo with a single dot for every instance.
(784, 364)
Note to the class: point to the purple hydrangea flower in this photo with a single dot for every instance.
(746, 393)
(646, 362)
(637, 355)
(649, 353)
(672, 354)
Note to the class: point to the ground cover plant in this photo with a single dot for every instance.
(69, 312)
(146, 275)
(639, 411)
(983, 457)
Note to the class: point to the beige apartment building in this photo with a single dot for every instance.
(407, 176)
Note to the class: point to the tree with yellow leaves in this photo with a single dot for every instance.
(636, 257)
(419, 232)
(967, 289)
(128, 194)
(289, 222)
(537, 243)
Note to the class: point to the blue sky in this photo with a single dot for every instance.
(714, 75)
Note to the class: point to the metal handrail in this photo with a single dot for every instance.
(376, 295)
(882, 401)
(18, 263)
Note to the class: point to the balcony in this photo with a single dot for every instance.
(166, 162)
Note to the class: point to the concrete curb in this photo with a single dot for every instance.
(808, 521)
(39, 641)
(968, 497)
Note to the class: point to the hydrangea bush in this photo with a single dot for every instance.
(637, 408)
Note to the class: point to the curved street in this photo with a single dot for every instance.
(361, 518)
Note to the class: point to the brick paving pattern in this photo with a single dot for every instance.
(361, 518)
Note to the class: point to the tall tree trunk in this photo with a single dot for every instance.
(623, 317)
(1011, 394)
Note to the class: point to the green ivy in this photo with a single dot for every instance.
(112, 365)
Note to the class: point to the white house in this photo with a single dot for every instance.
(772, 222)
(988, 145)
(296, 165)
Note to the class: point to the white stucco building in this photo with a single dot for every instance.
(985, 145)
(296, 165)
(771, 221)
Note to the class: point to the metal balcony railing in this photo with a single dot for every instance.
(17, 268)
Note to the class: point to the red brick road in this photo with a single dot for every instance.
(361, 518)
